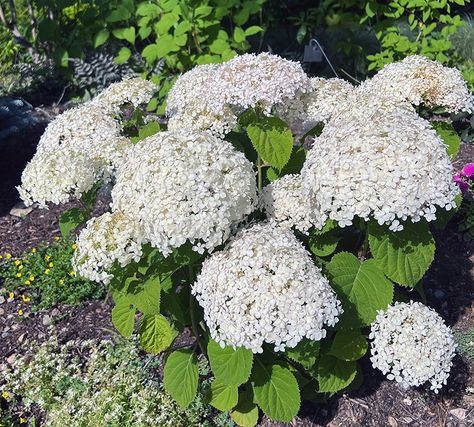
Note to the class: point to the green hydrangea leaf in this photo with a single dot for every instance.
(147, 296)
(245, 414)
(305, 353)
(272, 140)
(101, 37)
(334, 374)
(156, 333)
(361, 286)
(276, 391)
(449, 136)
(71, 219)
(323, 244)
(231, 367)
(222, 396)
(405, 255)
(123, 317)
(348, 345)
(181, 376)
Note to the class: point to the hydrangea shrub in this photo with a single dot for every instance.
(281, 219)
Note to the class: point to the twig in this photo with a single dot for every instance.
(351, 77)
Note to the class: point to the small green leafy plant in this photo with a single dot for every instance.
(43, 277)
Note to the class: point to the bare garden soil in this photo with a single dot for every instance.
(449, 288)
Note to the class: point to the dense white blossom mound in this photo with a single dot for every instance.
(185, 186)
(376, 159)
(419, 80)
(264, 288)
(319, 104)
(284, 201)
(135, 91)
(412, 345)
(105, 239)
(209, 97)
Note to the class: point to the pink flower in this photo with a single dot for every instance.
(468, 170)
(458, 178)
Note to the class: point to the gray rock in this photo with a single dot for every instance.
(20, 210)
(47, 320)
(459, 413)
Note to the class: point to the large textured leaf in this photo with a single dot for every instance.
(323, 244)
(70, 220)
(232, 367)
(449, 136)
(348, 345)
(147, 295)
(181, 376)
(123, 317)
(305, 353)
(406, 255)
(361, 286)
(272, 140)
(223, 396)
(245, 414)
(156, 334)
(334, 374)
(276, 391)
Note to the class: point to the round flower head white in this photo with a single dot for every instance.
(284, 201)
(185, 186)
(412, 345)
(105, 239)
(306, 109)
(263, 287)
(135, 91)
(57, 176)
(209, 97)
(419, 80)
(187, 108)
(377, 160)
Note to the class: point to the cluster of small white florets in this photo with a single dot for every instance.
(108, 238)
(264, 288)
(374, 159)
(185, 186)
(284, 202)
(209, 97)
(135, 91)
(319, 104)
(419, 80)
(412, 345)
(81, 146)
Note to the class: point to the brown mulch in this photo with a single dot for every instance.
(449, 288)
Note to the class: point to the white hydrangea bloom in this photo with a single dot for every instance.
(105, 239)
(284, 201)
(306, 109)
(57, 176)
(419, 80)
(377, 160)
(135, 91)
(264, 288)
(412, 345)
(185, 186)
(209, 97)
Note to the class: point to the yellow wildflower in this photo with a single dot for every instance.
(27, 282)
(11, 295)
(25, 298)
(20, 312)
(74, 246)
(17, 262)
(5, 394)
(20, 267)
(51, 265)
(32, 278)
(22, 420)
(61, 281)
(47, 271)
(33, 251)
(8, 256)
(47, 257)
(56, 238)
(72, 273)
(18, 274)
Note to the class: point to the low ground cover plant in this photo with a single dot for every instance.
(44, 276)
(282, 219)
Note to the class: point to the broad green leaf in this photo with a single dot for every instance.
(239, 35)
(334, 374)
(362, 287)
(449, 136)
(294, 165)
(166, 21)
(404, 256)
(232, 367)
(323, 244)
(245, 414)
(123, 55)
(120, 13)
(70, 220)
(147, 299)
(254, 29)
(181, 376)
(148, 9)
(203, 11)
(100, 38)
(348, 345)
(61, 57)
(182, 28)
(222, 396)
(328, 226)
(305, 353)
(272, 140)
(219, 46)
(147, 130)
(125, 34)
(123, 317)
(156, 334)
(276, 391)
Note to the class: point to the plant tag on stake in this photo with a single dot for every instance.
(312, 52)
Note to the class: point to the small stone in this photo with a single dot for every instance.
(459, 413)
(55, 312)
(11, 359)
(2, 299)
(408, 420)
(2, 311)
(407, 401)
(21, 338)
(47, 320)
(20, 210)
(392, 422)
